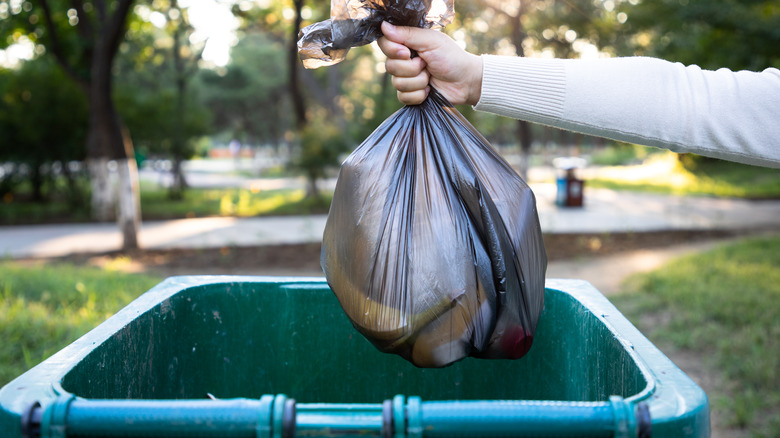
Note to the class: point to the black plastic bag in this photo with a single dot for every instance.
(432, 244)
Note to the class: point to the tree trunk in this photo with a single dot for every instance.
(179, 142)
(179, 183)
(523, 127)
(103, 199)
(299, 108)
(524, 136)
(312, 191)
(129, 203)
(36, 179)
(129, 216)
(106, 140)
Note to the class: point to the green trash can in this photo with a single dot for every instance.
(276, 357)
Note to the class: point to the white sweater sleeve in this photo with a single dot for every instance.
(722, 114)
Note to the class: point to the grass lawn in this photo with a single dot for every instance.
(664, 173)
(43, 308)
(14, 211)
(723, 306)
(155, 203)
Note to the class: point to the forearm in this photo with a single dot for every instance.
(730, 115)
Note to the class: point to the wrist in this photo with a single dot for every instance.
(474, 80)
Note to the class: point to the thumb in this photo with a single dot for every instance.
(412, 37)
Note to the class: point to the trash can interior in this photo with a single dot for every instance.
(248, 339)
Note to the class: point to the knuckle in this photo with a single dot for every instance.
(410, 98)
(395, 67)
(382, 43)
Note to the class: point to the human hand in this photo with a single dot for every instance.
(440, 63)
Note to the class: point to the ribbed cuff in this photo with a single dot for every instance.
(530, 89)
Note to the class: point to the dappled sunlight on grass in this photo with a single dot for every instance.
(120, 264)
(277, 201)
(665, 173)
(250, 203)
(230, 202)
(656, 166)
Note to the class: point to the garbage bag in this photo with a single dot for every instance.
(432, 243)
(356, 23)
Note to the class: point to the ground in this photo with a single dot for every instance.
(303, 259)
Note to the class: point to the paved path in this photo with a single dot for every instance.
(57, 240)
(605, 211)
(612, 211)
(608, 273)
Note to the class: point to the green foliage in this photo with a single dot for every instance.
(164, 113)
(322, 145)
(28, 20)
(19, 208)
(43, 115)
(248, 99)
(617, 154)
(43, 118)
(149, 115)
(43, 308)
(272, 18)
(350, 94)
(722, 305)
(560, 26)
(735, 34)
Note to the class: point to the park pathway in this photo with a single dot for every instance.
(605, 211)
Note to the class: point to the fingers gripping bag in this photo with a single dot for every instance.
(356, 23)
(432, 244)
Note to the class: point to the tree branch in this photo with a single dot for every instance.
(56, 47)
(192, 66)
(315, 89)
(100, 5)
(588, 17)
(114, 30)
(497, 10)
(84, 27)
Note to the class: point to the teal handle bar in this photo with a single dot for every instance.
(280, 417)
